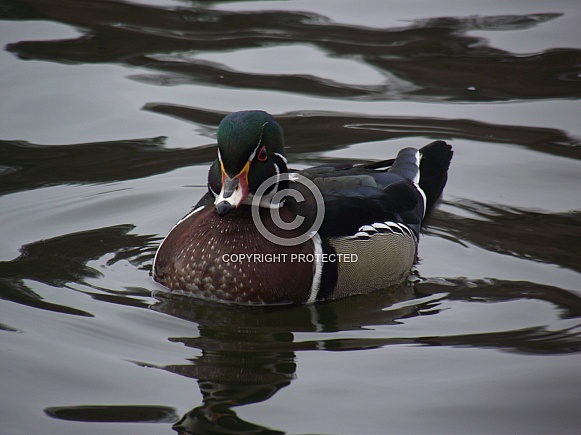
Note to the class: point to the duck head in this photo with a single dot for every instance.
(250, 150)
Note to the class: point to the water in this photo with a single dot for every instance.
(108, 117)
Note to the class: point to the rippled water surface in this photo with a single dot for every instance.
(107, 127)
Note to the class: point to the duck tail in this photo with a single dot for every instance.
(434, 163)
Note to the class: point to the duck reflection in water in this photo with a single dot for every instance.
(248, 354)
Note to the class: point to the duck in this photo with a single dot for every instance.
(264, 234)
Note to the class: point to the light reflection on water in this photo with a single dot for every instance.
(107, 129)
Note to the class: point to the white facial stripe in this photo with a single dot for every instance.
(282, 157)
(259, 143)
(275, 188)
(253, 153)
(212, 190)
(277, 176)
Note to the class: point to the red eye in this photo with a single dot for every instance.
(262, 156)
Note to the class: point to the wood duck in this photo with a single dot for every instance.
(264, 234)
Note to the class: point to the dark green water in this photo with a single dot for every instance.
(108, 114)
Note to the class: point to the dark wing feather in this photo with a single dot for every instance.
(436, 158)
(356, 196)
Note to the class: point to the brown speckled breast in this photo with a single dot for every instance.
(204, 254)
